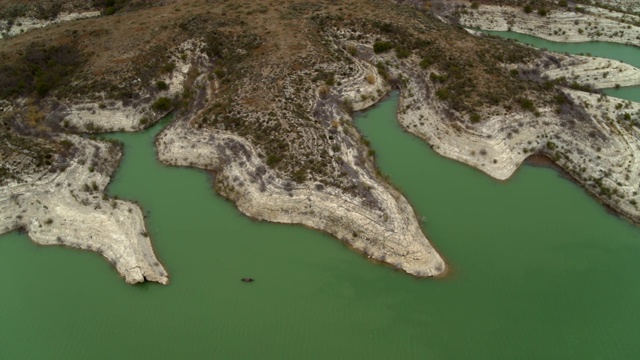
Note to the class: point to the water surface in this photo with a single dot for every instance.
(539, 271)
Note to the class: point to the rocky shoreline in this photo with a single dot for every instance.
(383, 226)
(593, 137)
(389, 232)
(69, 208)
(595, 142)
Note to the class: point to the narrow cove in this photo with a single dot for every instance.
(540, 270)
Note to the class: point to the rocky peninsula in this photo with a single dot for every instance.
(64, 204)
(271, 115)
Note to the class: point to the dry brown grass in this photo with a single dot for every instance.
(261, 48)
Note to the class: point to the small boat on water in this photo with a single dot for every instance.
(247, 280)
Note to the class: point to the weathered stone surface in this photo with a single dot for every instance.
(68, 208)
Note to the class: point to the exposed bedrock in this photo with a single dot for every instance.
(69, 208)
(595, 140)
(383, 227)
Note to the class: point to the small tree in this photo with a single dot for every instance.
(402, 53)
(382, 46)
(162, 104)
(162, 85)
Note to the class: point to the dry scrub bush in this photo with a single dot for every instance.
(371, 79)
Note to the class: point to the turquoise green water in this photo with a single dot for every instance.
(539, 271)
(625, 53)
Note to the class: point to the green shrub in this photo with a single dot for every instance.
(528, 9)
(438, 78)
(220, 73)
(40, 69)
(526, 104)
(382, 46)
(426, 62)
(560, 99)
(273, 159)
(402, 53)
(442, 94)
(111, 6)
(299, 176)
(162, 85)
(162, 104)
(168, 67)
(66, 144)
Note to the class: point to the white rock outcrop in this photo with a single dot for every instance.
(69, 208)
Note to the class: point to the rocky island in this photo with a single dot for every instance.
(264, 96)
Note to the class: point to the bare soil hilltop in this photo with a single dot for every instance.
(264, 94)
